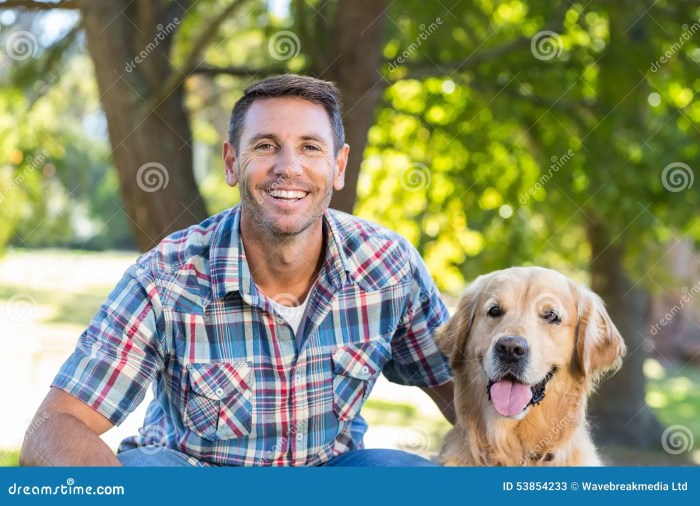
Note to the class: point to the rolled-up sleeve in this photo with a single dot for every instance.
(119, 354)
(416, 358)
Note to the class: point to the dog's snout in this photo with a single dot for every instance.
(511, 349)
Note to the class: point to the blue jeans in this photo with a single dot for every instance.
(165, 457)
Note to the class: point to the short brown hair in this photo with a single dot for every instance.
(324, 93)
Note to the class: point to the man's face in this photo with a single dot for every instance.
(285, 165)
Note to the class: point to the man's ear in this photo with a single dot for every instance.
(229, 155)
(341, 162)
(599, 345)
(452, 336)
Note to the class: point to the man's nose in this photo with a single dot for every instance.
(289, 163)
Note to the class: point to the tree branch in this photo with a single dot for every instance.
(471, 61)
(198, 46)
(239, 71)
(38, 6)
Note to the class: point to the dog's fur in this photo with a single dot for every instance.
(582, 347)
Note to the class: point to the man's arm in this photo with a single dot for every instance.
(66, 432)
(443, 396)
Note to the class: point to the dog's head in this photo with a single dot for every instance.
(519, 329)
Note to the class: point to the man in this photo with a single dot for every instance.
(264, 327)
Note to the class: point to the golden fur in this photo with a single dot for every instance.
(582, 347)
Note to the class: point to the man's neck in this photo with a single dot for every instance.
(280, 269)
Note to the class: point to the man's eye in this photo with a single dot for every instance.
(310, 147)
(551, 316)
(264, 147)
(494, 311)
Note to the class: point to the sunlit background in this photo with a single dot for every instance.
(553, 133)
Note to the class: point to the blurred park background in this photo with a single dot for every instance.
(490, 133)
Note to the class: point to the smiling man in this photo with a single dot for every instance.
(264, 328)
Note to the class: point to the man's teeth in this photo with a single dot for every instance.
(284, 194)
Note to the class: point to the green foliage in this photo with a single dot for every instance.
(495, 161)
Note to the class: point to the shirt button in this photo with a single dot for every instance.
(299, 438)
(365, 369)
(219, 392)
(297, 378)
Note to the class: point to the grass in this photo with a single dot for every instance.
(9, 458)
(68, 288)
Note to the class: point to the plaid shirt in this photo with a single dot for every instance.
(231, 385)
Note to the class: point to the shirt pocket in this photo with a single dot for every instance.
(355, 369)
(219, 402)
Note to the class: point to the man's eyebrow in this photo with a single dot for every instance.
(262, 136)
(312, 137)
(274, 138)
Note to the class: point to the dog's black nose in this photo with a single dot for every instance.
(511, 349)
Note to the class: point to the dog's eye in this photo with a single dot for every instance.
(551, 316)
(494, 312)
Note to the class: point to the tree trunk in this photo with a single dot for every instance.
(618, 410)
(150, 141)
(355, 61)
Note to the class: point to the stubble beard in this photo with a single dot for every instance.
(252, 205)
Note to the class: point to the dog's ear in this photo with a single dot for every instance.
(599, 345)
(452, 336)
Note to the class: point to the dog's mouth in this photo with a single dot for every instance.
(510, 396)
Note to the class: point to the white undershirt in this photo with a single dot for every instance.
(292, 315)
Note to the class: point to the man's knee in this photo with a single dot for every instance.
(153, 456)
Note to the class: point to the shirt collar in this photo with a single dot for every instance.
(229, 267)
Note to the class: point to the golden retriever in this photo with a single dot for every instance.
(527, 345)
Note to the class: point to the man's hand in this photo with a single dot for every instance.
(443, 396)
(66, 432)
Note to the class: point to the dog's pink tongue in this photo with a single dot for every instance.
(509, 397)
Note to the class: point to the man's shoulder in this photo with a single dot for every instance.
(376, 256)
(180, 247)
